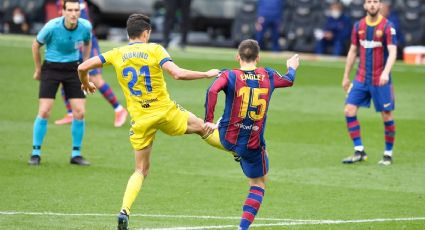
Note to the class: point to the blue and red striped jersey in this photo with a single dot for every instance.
(373, 39)
(248, 93)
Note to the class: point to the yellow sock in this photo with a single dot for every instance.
(214, 140)
(133, 187)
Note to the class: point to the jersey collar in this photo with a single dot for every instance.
(369, 23)
(63, 23)
(132, 43)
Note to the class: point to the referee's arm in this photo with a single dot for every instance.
(37, 58)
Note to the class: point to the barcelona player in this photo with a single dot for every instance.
(241, 128)
(96, 78)
(376, 39)
(62, 37)
(139, 68)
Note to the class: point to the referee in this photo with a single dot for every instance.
(63, 37)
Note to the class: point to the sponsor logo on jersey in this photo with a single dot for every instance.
(147, 103)
(379, 33)
(247, 127)
(370, 44)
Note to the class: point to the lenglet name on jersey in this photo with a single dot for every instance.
(134, 55)
(250, 76)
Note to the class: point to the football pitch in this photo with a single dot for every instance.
(194, 186)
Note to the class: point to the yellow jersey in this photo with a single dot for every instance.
(139, 73)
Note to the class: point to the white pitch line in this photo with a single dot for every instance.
(292, 223)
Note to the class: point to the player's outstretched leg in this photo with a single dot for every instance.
(213, 139)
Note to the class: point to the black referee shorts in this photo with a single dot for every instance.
(55, 73)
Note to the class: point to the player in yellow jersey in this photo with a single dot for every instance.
(139, 67)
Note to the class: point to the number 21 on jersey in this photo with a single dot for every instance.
(143, 71)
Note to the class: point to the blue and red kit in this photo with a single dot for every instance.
(373, 40)
(242, 124)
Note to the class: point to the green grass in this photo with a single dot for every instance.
(306, 139)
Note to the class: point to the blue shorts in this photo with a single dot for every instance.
(254, 163)
(361, 94)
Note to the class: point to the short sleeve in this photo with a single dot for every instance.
(391, 35)
(108, 57)
(354, 36)
(45, 33)
(88, 30)
(162, 55)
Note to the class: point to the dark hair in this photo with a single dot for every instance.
(248, 50)
(136, 24)
(65, 1)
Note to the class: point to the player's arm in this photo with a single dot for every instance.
(37, 58)
(211, 100)
(392, 56)
(183, 74)
(351, 58)
(288, 79)
(83, 73)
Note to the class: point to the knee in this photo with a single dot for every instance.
(349, 111)
(78, 113)
(387, 116)
(45, 114)
(144, 170)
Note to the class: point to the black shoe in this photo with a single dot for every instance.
(122, 221)
(34, 160)
(356, 157)
(79, 160)
(237, 158)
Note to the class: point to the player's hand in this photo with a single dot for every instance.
(384, 79)
(88, 88)
(346, 84)
(37, 75)
(212, 73)
(210, 127)
(293, 62)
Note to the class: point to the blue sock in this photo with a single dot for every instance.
(77, 131)
(39, 131)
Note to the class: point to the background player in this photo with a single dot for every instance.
(376, 38)
(62, 37)
(96, 78)
(248, 91)
(139, 68)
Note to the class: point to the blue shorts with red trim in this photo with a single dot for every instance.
(361, 94)
(254, 163)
